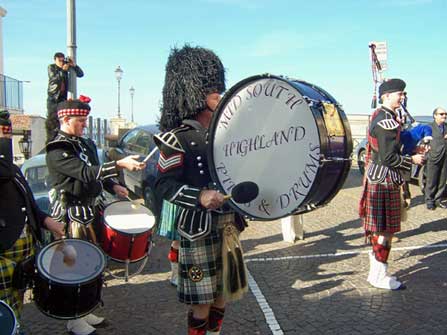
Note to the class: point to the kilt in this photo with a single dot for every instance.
(200, 265)
(21, 249)
(381, 207)
(168, 217)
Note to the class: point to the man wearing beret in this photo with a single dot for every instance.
(21, 221)
(77, 179)
(380, 205)
(436, 168)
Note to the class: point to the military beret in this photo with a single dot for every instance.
(77, 107)
(5, 122)
(391, 85)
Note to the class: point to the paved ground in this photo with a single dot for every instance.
(315, 286)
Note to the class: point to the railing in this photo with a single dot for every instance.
(11, 93)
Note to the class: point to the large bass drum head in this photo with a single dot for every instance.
(265, 131)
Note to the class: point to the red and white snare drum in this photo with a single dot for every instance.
(126, 231)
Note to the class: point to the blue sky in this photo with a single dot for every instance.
(322, 42)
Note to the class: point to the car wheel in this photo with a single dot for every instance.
(422, 179)
(151, 202)
(361, 161)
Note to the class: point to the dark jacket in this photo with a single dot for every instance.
(73, 166)
(387, 158)
(183, 174)
(438, 144)
(14, 208)
(58, 82)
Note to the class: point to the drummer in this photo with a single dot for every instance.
(20, 221)
(77, 179)
(194, 80)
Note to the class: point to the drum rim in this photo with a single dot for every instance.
(44, 273)
(130, 234)
(213, 125)
(14, 328)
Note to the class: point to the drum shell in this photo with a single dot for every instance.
(63, 301)
(121, 246)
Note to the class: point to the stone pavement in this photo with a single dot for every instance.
(315, 286)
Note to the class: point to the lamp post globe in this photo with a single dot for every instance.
(119, 75)
(132, 92)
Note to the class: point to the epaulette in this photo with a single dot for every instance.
(170, 139)
(388, 124)
(59, 141)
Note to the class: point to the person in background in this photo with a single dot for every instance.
(436, 168)
(58, 79)
(20, 222)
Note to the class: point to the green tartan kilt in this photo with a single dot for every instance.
(22, 249)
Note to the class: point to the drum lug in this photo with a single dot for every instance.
(324, 160)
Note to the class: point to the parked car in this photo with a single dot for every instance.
(139, 141)
(36, 173)
(417, 172)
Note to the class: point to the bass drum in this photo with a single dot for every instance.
(290, 137)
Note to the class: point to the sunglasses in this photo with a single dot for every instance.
(442, 114)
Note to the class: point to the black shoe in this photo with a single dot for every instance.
(431, 207)
(441, 205)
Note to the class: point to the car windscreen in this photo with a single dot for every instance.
(36, 178)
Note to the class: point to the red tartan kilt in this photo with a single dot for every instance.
(382, 207)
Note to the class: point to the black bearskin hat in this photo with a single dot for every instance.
(191, 74)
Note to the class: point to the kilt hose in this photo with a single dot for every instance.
(168, 217)
(200, 265)
(22, 249)
(380, 207)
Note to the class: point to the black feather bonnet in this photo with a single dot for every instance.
(191, 74)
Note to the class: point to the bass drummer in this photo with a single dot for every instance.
(77, 180)
(194, 80)
(20, 223)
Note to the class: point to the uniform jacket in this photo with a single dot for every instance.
(76, 177)
(386, 156)
(14, 209)
(58, 82)
(183, 174)
(438, 144)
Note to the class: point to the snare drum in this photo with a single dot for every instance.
(70, 278)
(290, 137)
(126, 231)
(8, 323)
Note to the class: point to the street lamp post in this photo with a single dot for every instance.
(25, 144)
(132, 92)
(119, 75)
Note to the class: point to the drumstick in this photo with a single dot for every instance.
(150, 154)
(134, 204)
